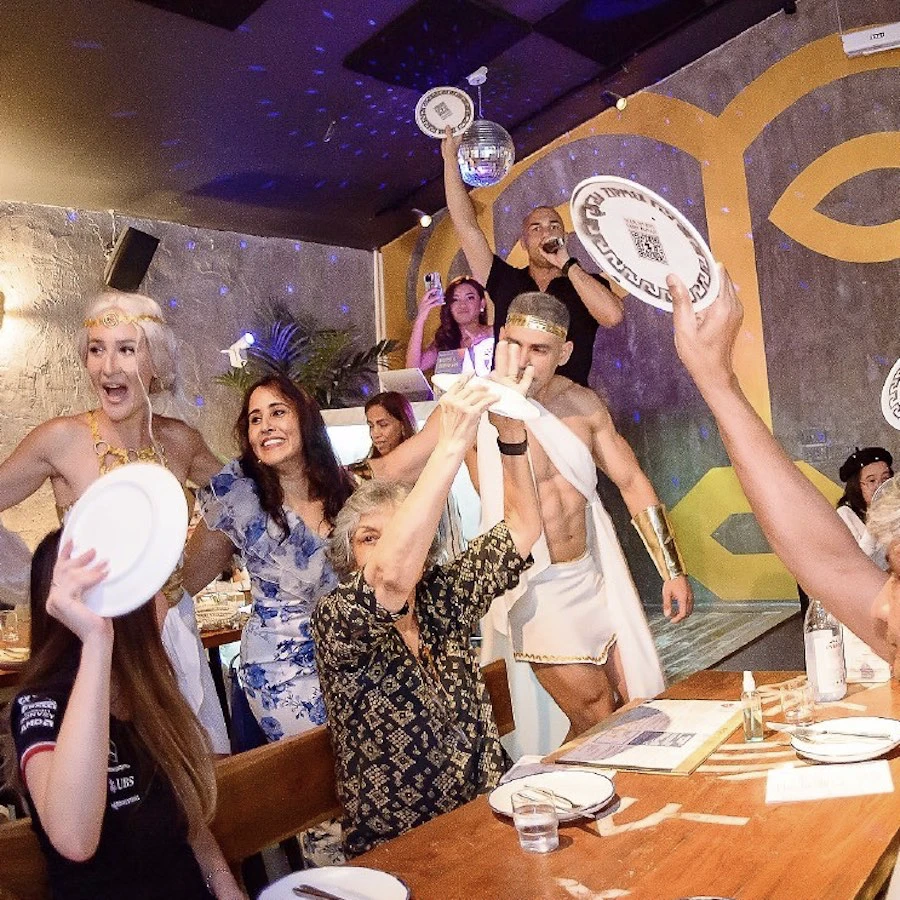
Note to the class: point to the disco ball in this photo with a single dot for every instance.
(486, 153)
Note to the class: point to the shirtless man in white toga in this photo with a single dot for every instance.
(587, 680)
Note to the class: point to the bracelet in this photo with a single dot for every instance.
(519, 449)
(211, 875)
(653, 525)
(571, 261)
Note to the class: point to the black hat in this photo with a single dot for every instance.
(859, 459)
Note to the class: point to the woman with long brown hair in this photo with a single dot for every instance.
(115, 766)
(277, 504)
(463, 322)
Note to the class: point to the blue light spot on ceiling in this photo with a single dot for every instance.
(183, 164)
(298, 246)
(124, 114)
(190, 245)
(72, 216)
(87, 45)
(372, 22)
(704, 432)
(318, 71)
(223, 290)
(804, 285)
(243, 245)
(294, 132)
(173, 302)
(199, 401)
(345, 309)
(256, 68)
(618, 364)
(365, 390)
(676, 481)
(265, 102)
(171, 142)
(289, 288)
(328, 14)
(273, 114)
(319, 49)
(636, 416)
(244, 29)
(332, 257)
(312, 91)
(268, 185)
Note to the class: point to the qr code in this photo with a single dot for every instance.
(646, 241)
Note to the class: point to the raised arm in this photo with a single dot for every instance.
(416, 357)
(395, 565)
(462, 212)
(406, 461)
(68, 784)
(799, 523)
(606, 308)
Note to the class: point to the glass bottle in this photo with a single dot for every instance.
(751, 706)
(824, 647)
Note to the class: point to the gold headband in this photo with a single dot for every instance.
(113, 317)
(537, 324)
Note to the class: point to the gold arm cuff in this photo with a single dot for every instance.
(653, 525)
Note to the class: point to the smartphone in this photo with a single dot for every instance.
(433, 280)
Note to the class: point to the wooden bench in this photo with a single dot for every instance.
(265, 795)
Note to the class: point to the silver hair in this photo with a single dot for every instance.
(883, 515)
(542, 306)
(371, 495)
(160, 338)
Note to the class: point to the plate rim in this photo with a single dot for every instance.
(437, 91)
(565, 817)
(618, 180)
(168, 518)
(346, 866)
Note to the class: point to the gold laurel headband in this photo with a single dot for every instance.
(113, 317)
(536, 324)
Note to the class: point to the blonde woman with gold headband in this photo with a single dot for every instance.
(129, 353)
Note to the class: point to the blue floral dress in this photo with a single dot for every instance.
(288, 575)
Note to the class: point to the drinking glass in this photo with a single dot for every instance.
(797, 701)
(536, 821)
(9, 626)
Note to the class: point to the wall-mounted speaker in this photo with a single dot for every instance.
(130, 259)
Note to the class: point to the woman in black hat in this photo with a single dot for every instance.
(863, 473)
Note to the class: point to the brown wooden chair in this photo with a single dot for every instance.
(265, 795)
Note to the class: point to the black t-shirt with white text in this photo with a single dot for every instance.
(143, 850)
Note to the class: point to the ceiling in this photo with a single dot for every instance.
(245, 115)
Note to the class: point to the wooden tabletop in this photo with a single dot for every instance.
(669, 836)
(219, 637)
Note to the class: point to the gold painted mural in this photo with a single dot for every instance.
(718, 143)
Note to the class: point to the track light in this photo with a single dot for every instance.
(616, 100)
(424, 218)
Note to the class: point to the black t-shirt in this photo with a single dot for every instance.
(505, 283)
(143, 852)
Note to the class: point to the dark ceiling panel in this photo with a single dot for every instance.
(222, 13)
(611, 31)
(436, 42)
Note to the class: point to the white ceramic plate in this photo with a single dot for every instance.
(591, 790)
(890, 397)
(850, 750)
(511, 403)
(347, 882)
(443, 106)
(638, 238)
(136, 519)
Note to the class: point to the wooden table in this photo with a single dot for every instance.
(670, 836)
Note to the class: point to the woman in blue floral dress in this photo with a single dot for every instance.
(276, 504)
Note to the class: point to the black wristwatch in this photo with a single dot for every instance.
(571, 261)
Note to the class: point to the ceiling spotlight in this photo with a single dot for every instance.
(424, 218)
(616, 100)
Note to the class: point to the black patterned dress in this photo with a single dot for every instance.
(413, 737)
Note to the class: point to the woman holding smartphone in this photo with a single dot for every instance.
(463, 320)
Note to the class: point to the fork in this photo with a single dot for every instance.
(307, 890)
(806, 733)
(562, 804)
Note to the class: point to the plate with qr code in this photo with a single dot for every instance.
(444, 106)
(890, 397)
(637, 238)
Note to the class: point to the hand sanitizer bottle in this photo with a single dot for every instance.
(751, 704)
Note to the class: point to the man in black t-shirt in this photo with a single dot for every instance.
(587, 297)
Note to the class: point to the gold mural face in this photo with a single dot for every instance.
(719, 144)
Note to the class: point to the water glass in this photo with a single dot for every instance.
(9, 627)
(797, 701)
(536, 821)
